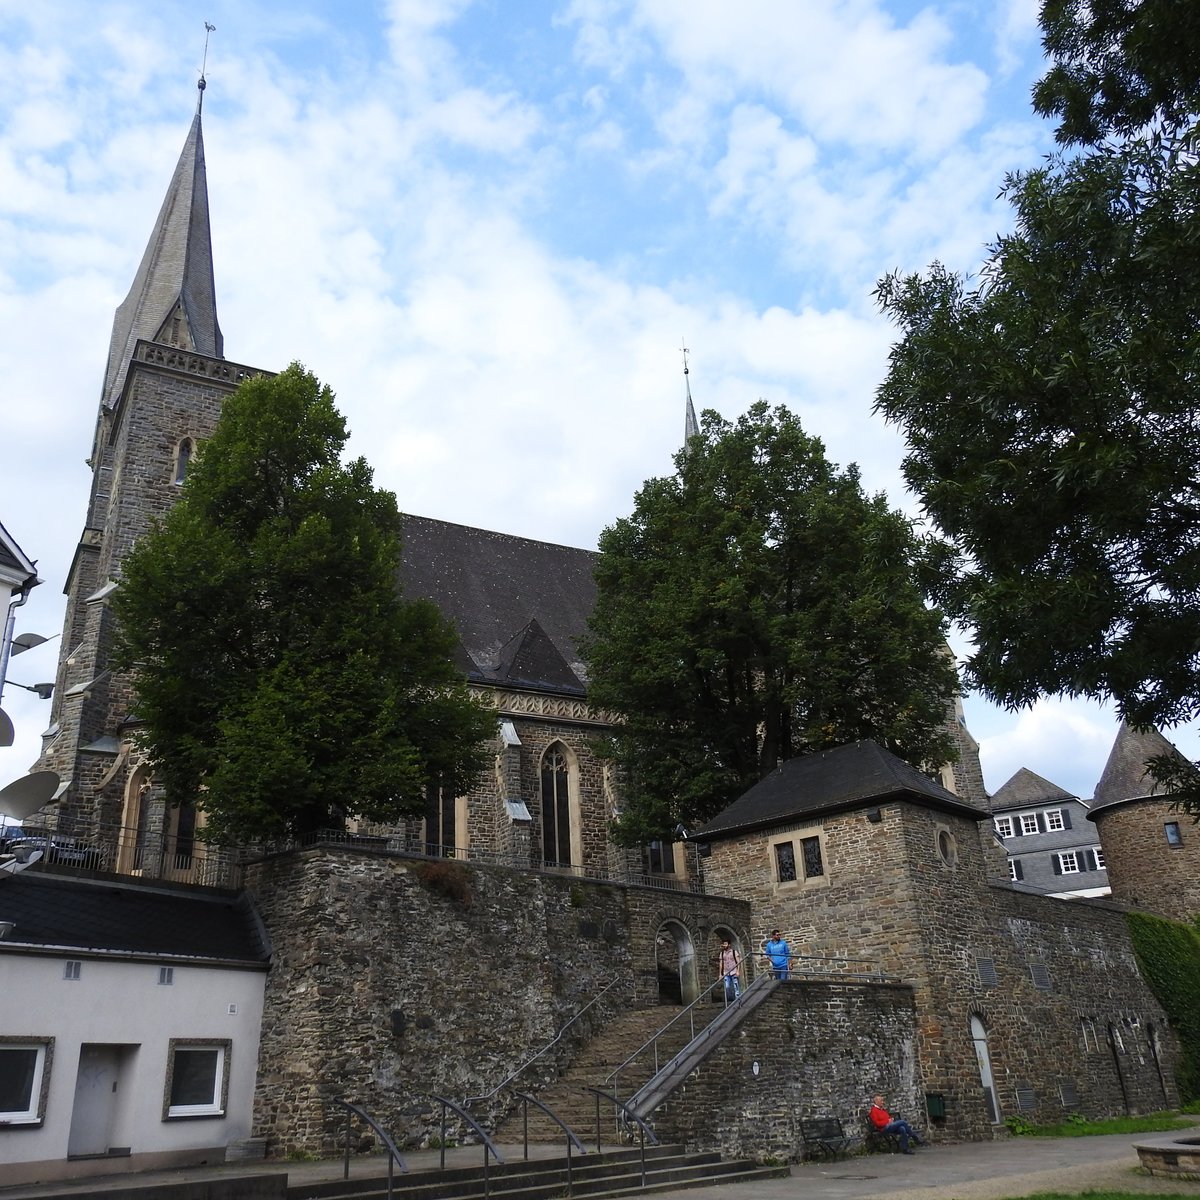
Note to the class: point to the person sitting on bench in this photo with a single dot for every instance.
(886, 1123)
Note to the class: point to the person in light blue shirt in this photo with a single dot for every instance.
(777, 953)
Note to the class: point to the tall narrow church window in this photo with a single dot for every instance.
(556, 809)
(181, 844)
(183, 456)
(135, 823)
(441, 831)
(659, 858)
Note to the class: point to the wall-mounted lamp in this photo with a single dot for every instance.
(874, 815)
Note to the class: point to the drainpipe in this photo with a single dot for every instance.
(9, 625)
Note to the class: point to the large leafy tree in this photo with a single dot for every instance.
(758, 605)
(282, 682)
(1051, 406)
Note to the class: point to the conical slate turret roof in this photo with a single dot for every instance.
(175, 277)
(1026, 788)
(1125, 774)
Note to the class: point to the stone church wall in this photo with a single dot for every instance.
(393, 978)
(811, 1050)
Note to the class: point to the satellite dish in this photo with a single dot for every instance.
(7, 732)
(26, 641)
(24, 796)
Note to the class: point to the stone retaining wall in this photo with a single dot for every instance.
(812, 1049)
(393, 978)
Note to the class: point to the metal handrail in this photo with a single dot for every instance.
(525, 1096)
(547, 1047)
(489, 1147)
(572, 1140)
(394, 1155)
(643, 1128)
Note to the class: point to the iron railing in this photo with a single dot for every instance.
(154, 851)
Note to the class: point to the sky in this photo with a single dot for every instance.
(492, 225)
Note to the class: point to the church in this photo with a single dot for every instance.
(442, 956)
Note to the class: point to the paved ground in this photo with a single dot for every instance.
(973, 1171)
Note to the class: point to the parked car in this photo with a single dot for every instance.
(54, 848)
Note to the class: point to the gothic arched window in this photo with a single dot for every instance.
(556, 808)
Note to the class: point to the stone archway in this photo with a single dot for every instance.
(717, 934)
(675, 963)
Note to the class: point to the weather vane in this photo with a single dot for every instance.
(684, 348)
(204, 62)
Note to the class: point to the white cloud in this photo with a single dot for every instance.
(481, 259)
(1064, 742)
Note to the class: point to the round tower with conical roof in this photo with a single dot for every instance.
(1151, 849)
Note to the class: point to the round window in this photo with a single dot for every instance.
(946, 847)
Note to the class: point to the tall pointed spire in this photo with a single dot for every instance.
(691, 426)
(173, 297)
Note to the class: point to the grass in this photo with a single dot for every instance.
(1099, 1196)
(1081, 1127)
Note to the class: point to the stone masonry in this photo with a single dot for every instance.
(1144, 867)
(813, 1049)
(393, 978)
(1048, 979)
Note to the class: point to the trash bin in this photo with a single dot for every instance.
(935, 1106)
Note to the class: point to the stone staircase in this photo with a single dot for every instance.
(567, 1096)
(614, 1173)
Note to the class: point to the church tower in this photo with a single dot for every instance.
(164, 381)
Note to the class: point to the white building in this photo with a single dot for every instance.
(129, 1024)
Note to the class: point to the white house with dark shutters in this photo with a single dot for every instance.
(1051, 845)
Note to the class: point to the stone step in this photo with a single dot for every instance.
(614, 1173)
(567, 1096)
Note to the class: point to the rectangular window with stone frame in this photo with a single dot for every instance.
(197, 1082)
(798, 859)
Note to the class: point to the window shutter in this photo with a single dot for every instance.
(1066, 816)
(1041, 822)
(1018, 870)
(1017, 830)
(1089, 860)
(1056, 864)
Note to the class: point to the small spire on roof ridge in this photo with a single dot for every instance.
(202, 83)
(691, 426)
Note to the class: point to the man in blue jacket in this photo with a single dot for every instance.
(776, 951)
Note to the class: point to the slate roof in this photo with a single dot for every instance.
(176, 268)
(1026, 788)
(846, 777)
(1125, 776)
(107, 915)
(14, 565)
(520, 606)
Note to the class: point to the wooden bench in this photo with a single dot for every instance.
(824, 1136)
(878, 1142)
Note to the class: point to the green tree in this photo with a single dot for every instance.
(282, 682)
(1122, 68)
(1051, 406)
(758, 605)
